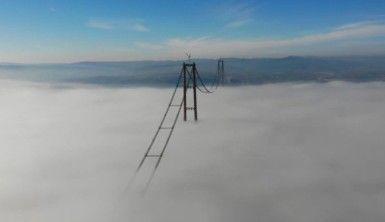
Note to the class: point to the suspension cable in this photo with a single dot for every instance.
(205, 89)
(167, 140)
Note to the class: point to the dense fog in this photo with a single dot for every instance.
(281, 152)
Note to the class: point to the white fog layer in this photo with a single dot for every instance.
(272, 153)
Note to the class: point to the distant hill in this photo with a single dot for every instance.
(238, 71)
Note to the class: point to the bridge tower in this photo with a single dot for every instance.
(189, 73)
(221, 71)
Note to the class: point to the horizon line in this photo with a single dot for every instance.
(180, 60)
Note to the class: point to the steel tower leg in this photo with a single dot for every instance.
(184, 92)
(195, 92)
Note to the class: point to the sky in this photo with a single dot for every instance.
(273, 153)
(68, 31)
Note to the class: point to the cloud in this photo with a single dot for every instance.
(132, 25)
(356, 25)
(99, 24)
(238, 23)
(363, 38)
(351, 39)
(281, 152)
(214, 47)
(140, 28)
(151, 46)
(235, 14)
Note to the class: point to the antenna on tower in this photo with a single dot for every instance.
(188, 56)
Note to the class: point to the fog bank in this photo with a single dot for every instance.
(280, 152)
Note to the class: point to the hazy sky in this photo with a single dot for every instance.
(271, 153)
(65, 31)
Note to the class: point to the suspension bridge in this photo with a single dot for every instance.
(188, 78)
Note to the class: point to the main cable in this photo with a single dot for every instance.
(168, 139)
(205, 89)
(161, 123)
(155, 135)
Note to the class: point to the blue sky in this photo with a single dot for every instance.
(69, 30)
